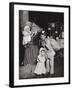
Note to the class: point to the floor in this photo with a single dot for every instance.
(58, 70)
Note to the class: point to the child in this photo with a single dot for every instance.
(26, 35)
(40, 67)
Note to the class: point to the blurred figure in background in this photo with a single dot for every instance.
(61, 40)
(31, 50)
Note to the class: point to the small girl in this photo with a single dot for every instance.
(40, 67)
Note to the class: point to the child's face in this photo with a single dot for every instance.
(42, 53)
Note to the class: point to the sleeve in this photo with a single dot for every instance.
(38, 59)
(55, 44)
(48, 45)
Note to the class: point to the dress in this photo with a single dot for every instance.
(30, 55)
(40, 67)
(30, 51)
(26, 37)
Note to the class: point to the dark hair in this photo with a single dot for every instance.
(44, 34)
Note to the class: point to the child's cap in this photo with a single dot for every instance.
(42, 49)
(26, 27)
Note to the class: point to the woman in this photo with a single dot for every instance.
(31, 50)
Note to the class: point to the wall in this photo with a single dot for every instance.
(4, 44)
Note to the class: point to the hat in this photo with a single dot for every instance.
(42, 49)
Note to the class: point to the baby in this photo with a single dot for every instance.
(26, 35)
(40, 67)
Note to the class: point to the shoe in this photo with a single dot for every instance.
(51, 75)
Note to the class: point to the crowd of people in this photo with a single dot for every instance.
(39, 59)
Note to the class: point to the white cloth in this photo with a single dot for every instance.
(27, 36)
(54, 44)
(40, 67)
(26, 39)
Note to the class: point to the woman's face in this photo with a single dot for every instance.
(43, 37)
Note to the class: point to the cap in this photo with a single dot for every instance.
(42, 49)
(26, 27)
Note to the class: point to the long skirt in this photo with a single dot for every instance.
(40, 68)
(30, 55)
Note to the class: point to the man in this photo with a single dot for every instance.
(50, 53)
